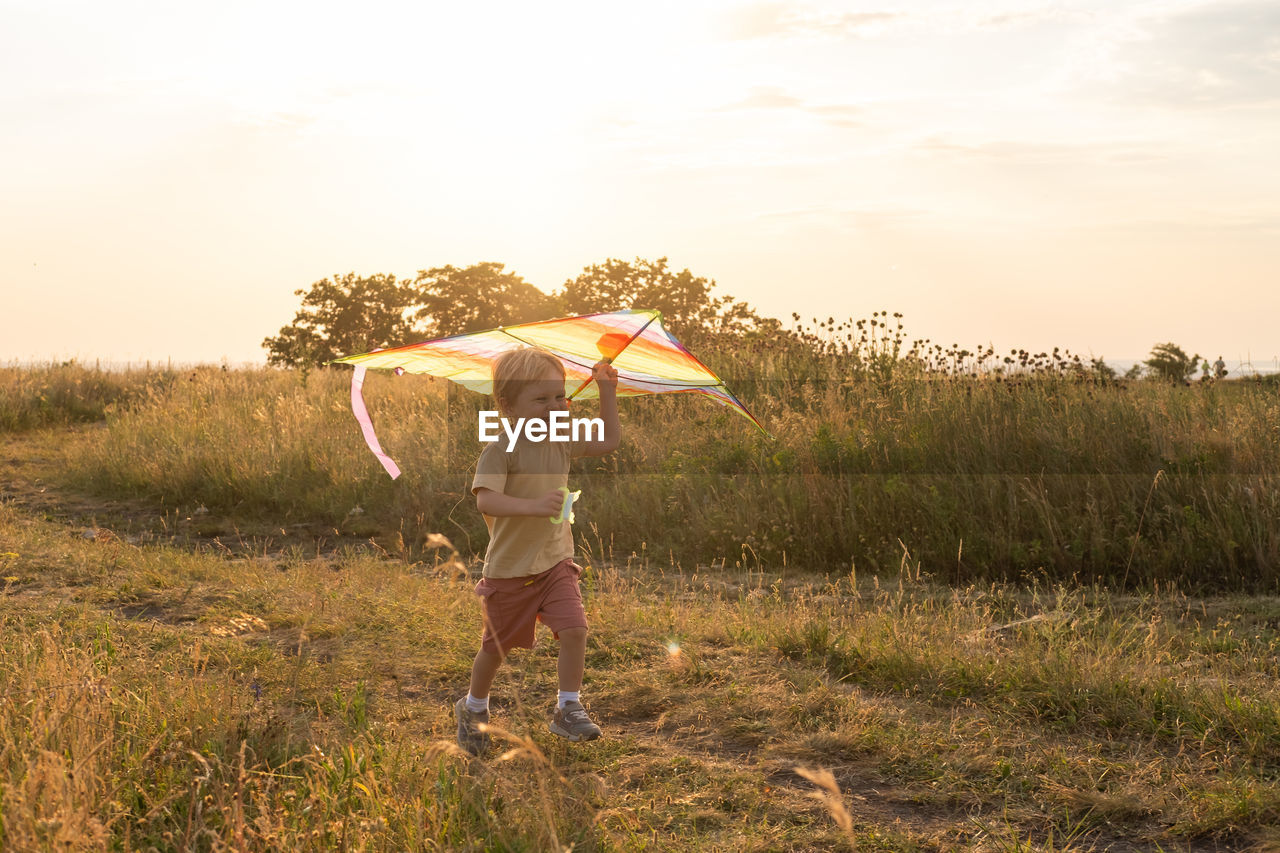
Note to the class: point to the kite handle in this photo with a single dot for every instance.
(609, 359)
(587, 381)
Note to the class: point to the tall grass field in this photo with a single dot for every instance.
(1050, 475)
(953, 601)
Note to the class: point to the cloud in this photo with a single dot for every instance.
(759, 20)
(1017, 152)
(778, 20)
(843, 218)
(766, 98)
(1194, 223)
(840, 115)
(1217, 54)
(785, 20)
(999, 20)
(774, 98)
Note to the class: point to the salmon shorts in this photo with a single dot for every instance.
(512, 607)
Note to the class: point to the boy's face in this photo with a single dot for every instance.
(537, 398)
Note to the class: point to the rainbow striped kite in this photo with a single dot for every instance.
(648, 359)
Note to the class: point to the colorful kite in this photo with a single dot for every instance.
(648, 359)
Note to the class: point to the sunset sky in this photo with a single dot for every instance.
(1097, 176)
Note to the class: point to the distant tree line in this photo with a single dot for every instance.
(352, 313)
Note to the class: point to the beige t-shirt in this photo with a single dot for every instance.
(520, 545)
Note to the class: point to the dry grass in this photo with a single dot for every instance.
(159, 696)
(223, 628)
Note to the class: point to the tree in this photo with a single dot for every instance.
(453, 301)
(345, 315)
(685, 300)
(351, 313)
(1102, 371)
(1168, 361)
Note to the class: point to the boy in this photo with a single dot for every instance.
(529, 573)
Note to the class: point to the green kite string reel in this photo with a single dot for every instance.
(566, 510)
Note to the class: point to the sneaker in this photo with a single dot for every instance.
(470, 737)
(572, 722)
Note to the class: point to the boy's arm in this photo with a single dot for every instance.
(500, 505)
(606, 377)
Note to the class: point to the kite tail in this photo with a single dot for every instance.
(366, 424)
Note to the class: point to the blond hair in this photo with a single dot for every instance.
(517, 366)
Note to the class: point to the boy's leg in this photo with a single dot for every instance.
(509, 622)
(572, 660)
(483, 670)
(570, 719)
(472, 711)
(563, 613)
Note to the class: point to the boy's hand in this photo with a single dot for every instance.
(605, 374)
(549, 505)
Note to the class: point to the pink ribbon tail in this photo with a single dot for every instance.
(366, 425)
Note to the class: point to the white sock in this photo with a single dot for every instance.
(477, 706)
(566, 696)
